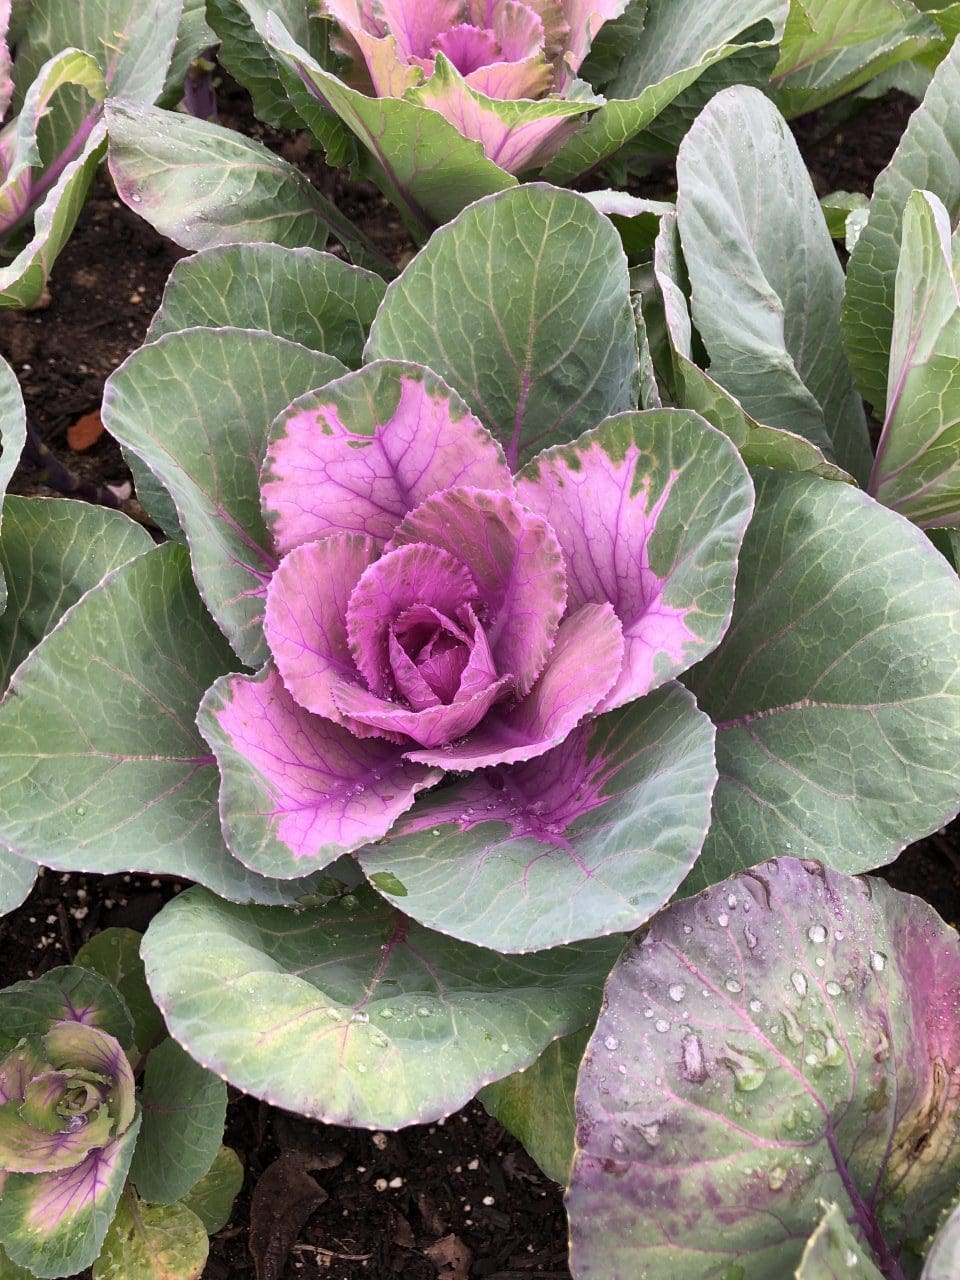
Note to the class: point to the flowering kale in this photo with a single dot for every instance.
(459, 49)
(430, 611)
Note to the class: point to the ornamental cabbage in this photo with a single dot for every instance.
(430, 611)
(501, 49)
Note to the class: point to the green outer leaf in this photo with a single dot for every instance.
(917, 468)
(927, 157)
(835, 690)
(152, 1242)
(536, 1105)
(115, 955)
(756, 245)
(131, 39)
(204, 185)
(837, 208)
(22, 281)
(196, 407)
(759, 445)
(211, 1199)
(13, 436)
(10, 1271)
(833, 1252)
(608, 869)
(353, 1013)
(422, 163)
(52, 551)
(17, 878)
(243, 53)
(309, 297)
(681, 39)
(184, 1107)
(522, 305)
(850, 69)
(830, 48)
(30, 1007)
(77, 1238)
(101, 764)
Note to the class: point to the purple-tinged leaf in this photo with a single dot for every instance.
(54, 1224)
(306, 617)
(650, 510)
(27, 1148)
(513, 557)
(582, 667)
(590, 838)
(361, 453)
(433, 727)
(68, 993)
(412, 576)
(296, 789)
(6, 61)
(515, 134)
(785, 1038)
(584, 19)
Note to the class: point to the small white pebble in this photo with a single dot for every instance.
(473, 1164)
(381, 1184)
(379, 1141)
(395, 1182)
(488, 1200)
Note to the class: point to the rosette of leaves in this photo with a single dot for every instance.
(409, 660)
(97, 1165)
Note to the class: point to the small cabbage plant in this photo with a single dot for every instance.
(99, 1165)
(58, 63)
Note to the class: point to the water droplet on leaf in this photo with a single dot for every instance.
(799, 983)
(676, 992)
(817, 933)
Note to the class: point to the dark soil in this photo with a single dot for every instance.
(457, 1199)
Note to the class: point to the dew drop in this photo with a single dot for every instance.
(723, 919)
(676, 992)
(423, 1011)
(850, 1258)
(820, 962)
(817, 933)
(811, 1059)
(791, 1027)
(359, 1017)
(611, 1043)
(733, 986)
(332, 1014)
(799, 983)
(834, 988)
(687, 928)
(618, 1145)
(80, 810)
(662, 1025)
(379, 1039)
(648, 1013)
(756, 1006)
(435, 831)
(692, 1064)
(750, 937)
(504, 1048)
(135, 198)
(386, 1013)
(749, 1073)
(776, 1177)
(731, 900)
(877, 961)
(361, 1068)
(650, 1133)
(838, 934)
